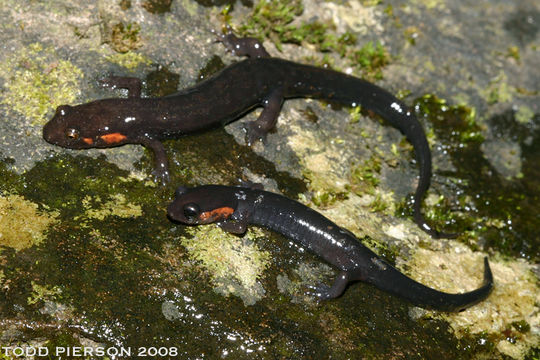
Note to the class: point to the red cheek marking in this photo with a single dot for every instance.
(89, 141)
(113, 138)
(216, 214)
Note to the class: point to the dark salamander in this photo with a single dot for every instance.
(233, 208)
(225, 97)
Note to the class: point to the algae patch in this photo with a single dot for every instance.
(130, 60)
(123, 37)
(498, 90)
(514, 300)
(42, 293)
(117, 206)
(21, 223)
(524, 115)
(235, 265)
(37, 82)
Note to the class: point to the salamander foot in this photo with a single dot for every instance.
(246, 46)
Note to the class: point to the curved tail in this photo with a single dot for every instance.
(409, 125)
(390, 279)
(350, 90)
(424, 163)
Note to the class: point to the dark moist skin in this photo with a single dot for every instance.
(225, 97)
(233, 208)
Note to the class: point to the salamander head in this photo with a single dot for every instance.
(202, 205)
(83, 126)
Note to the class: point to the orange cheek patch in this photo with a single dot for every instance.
(89, 141)
(216, 214)
(113, 138)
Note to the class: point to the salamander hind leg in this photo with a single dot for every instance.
(246, 46)
(161, 167)
(325, 292)
(258, 129)
(234, 227)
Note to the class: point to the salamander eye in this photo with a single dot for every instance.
(72, 134)
(191, 211)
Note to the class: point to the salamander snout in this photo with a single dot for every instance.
(187, 213)
(52, 133)
(55, 131)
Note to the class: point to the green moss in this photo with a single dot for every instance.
(125, 37)
(323, 191)
(21, 223)
(524, 114)
(384, 250)
(272, 20)
(325, 199)
(130, 60)
(521, 326)
(465, 135)
(460, 118)
(38, 81)
(379, 204)
(491, 211)
(117, 206)
(365, 178)
(438, 209)
(269, 19)
(11, 182)
(498, 90)
(79, 176)
(372, 57)
(42, 293)
(513, 52)
(229, 260)
(355, 113)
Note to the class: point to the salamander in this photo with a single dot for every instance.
(258, 81)
(233, 208)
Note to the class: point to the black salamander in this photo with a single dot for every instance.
(257, 81)
(233, 208)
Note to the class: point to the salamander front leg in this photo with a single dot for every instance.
(234, 227)
(161, 167)
(133, 85)
(238, 222)
(258, 129)
(246, 46)
(325, 292)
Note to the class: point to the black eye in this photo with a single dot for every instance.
(72, 134)
(191, 211)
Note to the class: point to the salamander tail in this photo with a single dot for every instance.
(392, 280)
(422, 224)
